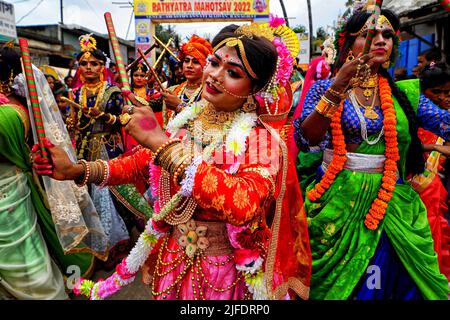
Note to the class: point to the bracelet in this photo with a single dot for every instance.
(87, 173)
(169, 155)
(112, 119)
(326, 109)
(181, 168)
(175, 160)
(161, 148)
(104, 172)
(337, 94)
(329, 101)
(95, 172)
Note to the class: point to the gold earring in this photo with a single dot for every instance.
(11, 78)
(386, 64)
(249, 105)
(82, 78)
(350, 56)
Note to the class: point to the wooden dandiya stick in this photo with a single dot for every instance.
(131, 65)
(372, 25)
(32, 93)
(150, 68)
(162, 54)
(117, 54)
(165, 47)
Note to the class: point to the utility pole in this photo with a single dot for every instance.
(308, 2)
(284, 12)
(62, 22)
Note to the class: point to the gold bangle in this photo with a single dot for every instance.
(180, 170)
(326, 109)
(103, 165)
(161, 148)
(112, 119)
(329, 101)
(176, 159)
(335, 93)
(169, 155)
(87, 173)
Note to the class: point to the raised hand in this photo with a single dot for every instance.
(351, 70)
(58, 167)
(171, 100)
(143, 127)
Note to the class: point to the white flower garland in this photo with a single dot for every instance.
(188, 113)
(236, 140)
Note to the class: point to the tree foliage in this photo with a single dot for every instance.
(299, 29)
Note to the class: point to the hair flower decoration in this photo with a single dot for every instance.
(286, 62)
(275, 21)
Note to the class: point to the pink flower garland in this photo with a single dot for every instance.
(285, 63)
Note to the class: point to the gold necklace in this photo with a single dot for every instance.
(93, 87)
(369, 86)
(369, 111)
(141, 92)
(192, 96)
(210, 123)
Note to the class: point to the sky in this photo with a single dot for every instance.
(89, 13)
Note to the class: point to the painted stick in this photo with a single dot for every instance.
(32, 93)
(165, 47)
(117, 54)
(445, 4)
(151, 68)
(372, 25)
(162, 54)
(139, 58)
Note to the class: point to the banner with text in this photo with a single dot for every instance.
(7, 22)
(202, 9)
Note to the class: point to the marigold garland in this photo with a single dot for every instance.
(379, 205)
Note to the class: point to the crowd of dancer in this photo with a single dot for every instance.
(242, 179)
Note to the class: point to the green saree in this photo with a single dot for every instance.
(14, 152)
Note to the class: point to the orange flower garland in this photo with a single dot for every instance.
(379, 205)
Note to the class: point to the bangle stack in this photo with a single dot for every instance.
(94, 172)
(326, 107)
(337, 94)
(172, 158)
(87, 173)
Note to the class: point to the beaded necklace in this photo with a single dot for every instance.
(83, 98)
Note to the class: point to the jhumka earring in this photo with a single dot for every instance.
(386, 64)
(102, 75)
(350, 56)
(249, 105)
(82, 79)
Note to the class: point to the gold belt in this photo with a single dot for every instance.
(217, 235)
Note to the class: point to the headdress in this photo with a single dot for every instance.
(275, 95)
(197, 47)
(359, 6)
(88, 44)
